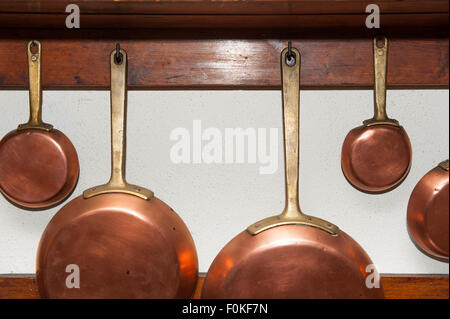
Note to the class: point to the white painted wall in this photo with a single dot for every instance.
(217, 201)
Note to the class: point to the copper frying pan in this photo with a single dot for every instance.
(123, 241)
(38, 164)
(291, 255)
(428, 213)
(376, 157)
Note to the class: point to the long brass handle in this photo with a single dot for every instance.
(35, 90)
(290, 78)
(118, 118)
(292, 214)
(380, 55)
(380, 62)
(117, 182)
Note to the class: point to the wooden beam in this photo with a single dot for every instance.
(231, 21)
(233, 14)
(395, 286)
(415, 287)
(223, 6)
(223, 63)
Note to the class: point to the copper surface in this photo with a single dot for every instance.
(290, 262)
(125, 247)
(38, 169)
(125, 242)
(292, 255)
(428, 211)
(38, 164)
(376, 158)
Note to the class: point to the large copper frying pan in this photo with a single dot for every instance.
(292, 255)
(428, 213)
(38, 164)
(125, 242)
(376, 157)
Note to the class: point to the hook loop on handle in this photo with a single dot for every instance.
(34, 54)
(380, 61)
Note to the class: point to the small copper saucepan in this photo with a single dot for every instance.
(428, 213)
(38, 164)
(376, 157)
(291, 255)
(118, 239)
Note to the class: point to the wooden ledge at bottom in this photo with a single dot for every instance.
(395, 286)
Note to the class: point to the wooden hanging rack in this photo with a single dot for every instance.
(227, 44)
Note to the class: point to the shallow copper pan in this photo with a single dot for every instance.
(38, 164)
(292, 255)
(376, 157)
(120, 240)
(428, 213)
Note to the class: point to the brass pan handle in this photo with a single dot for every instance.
(444, 165)
(292, 214)
(380, 56)
(117, 182)
(34, 75)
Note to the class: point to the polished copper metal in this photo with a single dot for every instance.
(428, 211)
(124, 246)
(376, 157)
(38, 164)
(290, 261)
(125, 242)
(38, 169)
(292, 255)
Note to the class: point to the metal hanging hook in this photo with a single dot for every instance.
(290, 56)
(33, 45)
(118, 56)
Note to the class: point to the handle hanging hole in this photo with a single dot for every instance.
(380, 42)
(291, 59)
(34, 48)
(118, 60)
(290, 56)
(118, 57)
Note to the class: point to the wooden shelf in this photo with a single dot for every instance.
(222, 63)
(395, 287)
(225, 6)
(222, 13)
(224, 44)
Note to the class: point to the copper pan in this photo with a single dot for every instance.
(118, 239)
(428, 213)
(38, 164)
(376, 157)
(291, 255)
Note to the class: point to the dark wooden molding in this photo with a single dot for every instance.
(253, 63)
(232, 21)
(222, 13)
(261, 7)
(395, 286)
